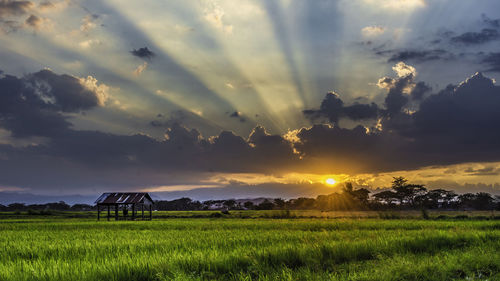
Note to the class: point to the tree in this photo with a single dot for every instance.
(17, 207)
(303, 203)
(280, 203)
(265, 205)
(386, 197)
(483, 201)
(405, 192)
(229, 203)
(437, 198)
(249, 205)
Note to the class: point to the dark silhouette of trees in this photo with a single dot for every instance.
(279, 203)
(182, 204)
(478, 201)
(407, 193)
(230, 204)
(265, 205)
(387, 197)
(249, 205)
(403, 195)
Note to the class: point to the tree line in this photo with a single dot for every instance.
(401, 196)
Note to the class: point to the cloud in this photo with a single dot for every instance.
(34, 105)
(38, 23)
(33, 21)
(89, 22)
(89, 43)
(402, 89)
(333, 108)
(140, 69)
(403, 70)
(456, 125)
(143, 53)
(475, 38)
(46, 5)
(8, 26)
(14, 8)
(453, 126)
(214, 16)
(492, 60)
(495, 23)
(9, 11)
(237, 114)
(415, 55)
(372, 31)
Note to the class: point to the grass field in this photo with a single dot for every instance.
(258, 248)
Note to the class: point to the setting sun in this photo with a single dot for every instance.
(330, 181)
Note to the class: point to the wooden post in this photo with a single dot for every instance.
(109, 212)
(116, 212)
(98, 212)
(142, 209)
(133, 212)
(151, 212)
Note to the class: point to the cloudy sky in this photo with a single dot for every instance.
(222, 98)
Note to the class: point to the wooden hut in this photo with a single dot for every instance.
(117, 201)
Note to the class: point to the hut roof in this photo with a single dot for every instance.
(123, 198)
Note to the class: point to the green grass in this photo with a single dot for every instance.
(249, 249)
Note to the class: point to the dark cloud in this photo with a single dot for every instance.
(33, 21)
(495, 23)
(64, 92)
(474, 38)
(237, 114)
(402, 90)
(34, 105)
(415, 55)
(14, 8)
(333, 108)
(461, 115)
(420, 89)
(456, 125)
(492, 60)
(144, 53)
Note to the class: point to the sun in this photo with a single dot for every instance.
(330, 181)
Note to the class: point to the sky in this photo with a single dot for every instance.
(239, 99)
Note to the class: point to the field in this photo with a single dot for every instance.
(260, 246)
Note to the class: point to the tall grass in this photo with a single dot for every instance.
(250, 249)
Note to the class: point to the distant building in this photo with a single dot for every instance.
(120, 201)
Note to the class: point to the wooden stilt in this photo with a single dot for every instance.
(98, 212)
(142, 209)
(133, 212)
(150, 212)
(116, 212)
(109, 212)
